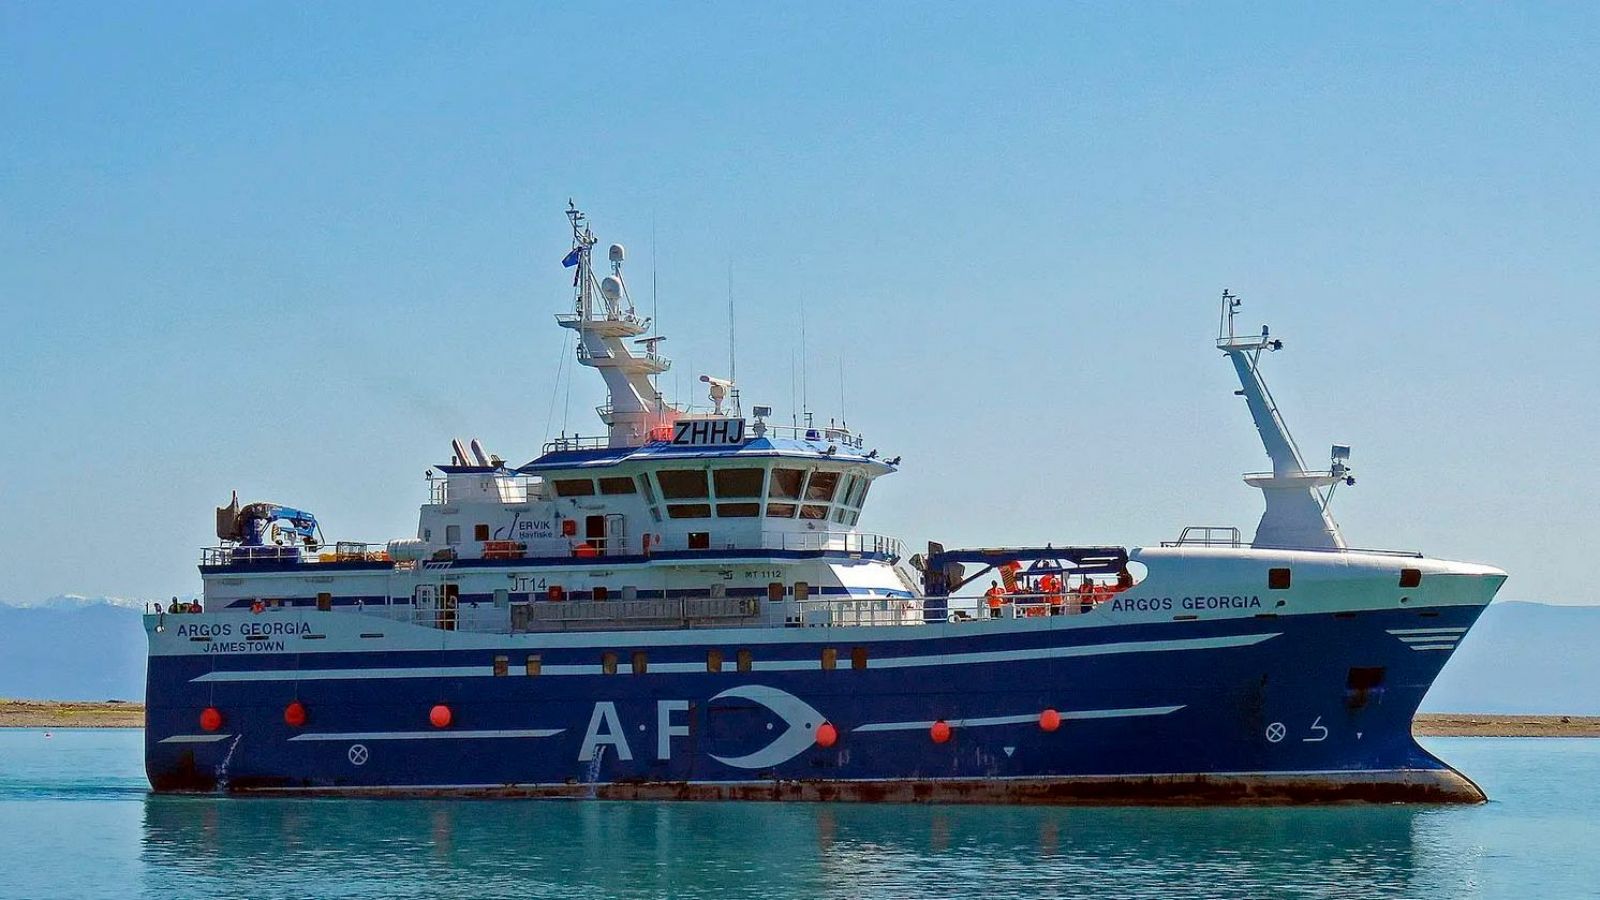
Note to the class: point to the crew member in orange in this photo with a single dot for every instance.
(1052, 589)
(995, 598)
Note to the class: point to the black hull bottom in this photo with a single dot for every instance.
(1435, 786)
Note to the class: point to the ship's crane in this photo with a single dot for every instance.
(251, 524)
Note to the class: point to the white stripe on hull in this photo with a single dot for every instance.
(429, 735)
(1018, 720)
(790, 665)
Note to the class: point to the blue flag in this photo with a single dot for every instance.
(571, 259)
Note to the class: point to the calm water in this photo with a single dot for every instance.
(76, 821)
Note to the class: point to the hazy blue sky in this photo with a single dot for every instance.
(293, 250)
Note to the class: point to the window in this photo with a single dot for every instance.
(786, 483)
(600, 593)
(533, 665)
(801, 590)
(849, 491)
(813, 512)
(855, 517)
(689, 510)
(620, 485)
(574, 487)
(1410, 578)
(737, 482)
(860, 494)
(830, 659)
(608, 663)
(745, 661)
(738, 510)
(641, 662)
(1278, 579)
(501, 664)
(452, 534)
(324, 602)
(713, 660)
(480, 532)
(839, 514)
(775, 591)
(781, 510)
(858, 658)
(822, 486)
(502, 597)
(683, 484)
(699, 540)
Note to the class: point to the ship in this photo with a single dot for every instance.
(684, 606)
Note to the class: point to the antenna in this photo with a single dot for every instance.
(841, 392)
(655, 325)
(733, 371)
(805, 404)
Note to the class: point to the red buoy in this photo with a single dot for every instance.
(940, 732)
(439, 716)
(1049, 720)
(827, 735)
(294, 715)
(210, 719)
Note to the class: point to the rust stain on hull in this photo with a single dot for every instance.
(1436, 786)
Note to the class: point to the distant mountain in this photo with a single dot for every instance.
(72, 651)
(1524, 658)
(78, 601)
(1521, 657)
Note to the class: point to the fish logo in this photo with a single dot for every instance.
(802, 721)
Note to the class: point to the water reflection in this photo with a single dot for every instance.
(567, 849)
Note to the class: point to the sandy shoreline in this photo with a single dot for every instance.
(74, 714)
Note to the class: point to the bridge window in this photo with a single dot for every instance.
(621, 485)
(683, 484)
(574, 487)
(781, 510)
(859, 495)
(689, 510)
(1278, 579)
(738, 510)
(822, 486)
(786, 483)
(737, 482)
(839, 514)
(813, 512)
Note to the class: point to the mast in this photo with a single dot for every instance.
(1296, 515)
(634, 409)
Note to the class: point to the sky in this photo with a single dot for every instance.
(293, 249)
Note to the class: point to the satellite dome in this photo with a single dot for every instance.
(611, 286)
(618, 254)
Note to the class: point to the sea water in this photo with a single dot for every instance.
(76, 820)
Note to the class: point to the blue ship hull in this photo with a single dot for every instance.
(1305, 707)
